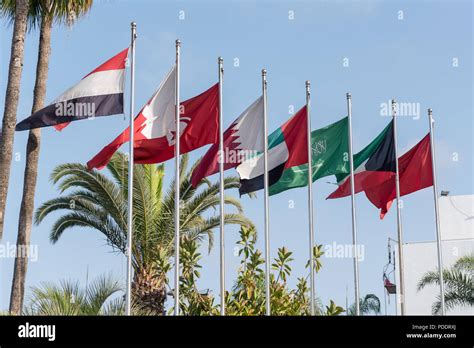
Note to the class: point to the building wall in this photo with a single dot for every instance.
(457, 236)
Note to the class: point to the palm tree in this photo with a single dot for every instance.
(17, 11)
(42, 13)
(99, 202)
(369, 304)
(458, 283)
(68, 298)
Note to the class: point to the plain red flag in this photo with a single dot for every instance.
(415, 173)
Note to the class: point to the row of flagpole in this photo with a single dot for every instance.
(266, 194)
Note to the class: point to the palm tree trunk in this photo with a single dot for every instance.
(11, 102)
(31, 171)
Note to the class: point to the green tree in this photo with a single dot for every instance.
(369, 304)
(193, 301)
(333, 309)
(96, 201)
(458, 284)
(42, 14)
(17, 12)
(247, 296)
(102, 297)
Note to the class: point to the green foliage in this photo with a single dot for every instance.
(69, 299)
(91, 199)
(103, 296)
(458, 283)
(281, 263)
(369, 304)
(61, 11)
(333, 309)
(192, 302)
(247, 296)
(317, 254)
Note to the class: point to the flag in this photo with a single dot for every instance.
(372, 166)
(99, 93)
(155, 126)
(415, 173)
(286, 148)
(329, 157)
(242, 139)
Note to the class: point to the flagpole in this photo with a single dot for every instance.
(354, 222)
(220, 62)
(438, 231)
(310, 195)
(128, 294)
(265, 188)
(399, 215)
(177, 184)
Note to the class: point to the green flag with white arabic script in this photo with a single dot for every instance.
(330, 156)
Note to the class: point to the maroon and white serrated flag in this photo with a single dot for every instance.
(243, 137)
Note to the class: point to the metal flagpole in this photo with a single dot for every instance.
(265, 188)
(177, 182)
(354, 222)
(438, 232)
(399, 216)
(128, 295)
(310, 195)
(220, 62)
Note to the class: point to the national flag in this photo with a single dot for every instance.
(287, 147)
(155, 126)
(372, 166)
(243, 138)
(99, 93)
(415, 173)
(329, 157)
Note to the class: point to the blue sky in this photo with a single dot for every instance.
(414, 51)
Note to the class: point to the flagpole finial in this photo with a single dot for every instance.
(394, 107)
(220, 60)
(264, 72)
(133, 27)
(348, 95)
(178, 43)
(430, 111)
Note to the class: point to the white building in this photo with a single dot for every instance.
(457, 240)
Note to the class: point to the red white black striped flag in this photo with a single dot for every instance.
(99, 93)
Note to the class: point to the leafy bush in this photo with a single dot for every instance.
(247, 296)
